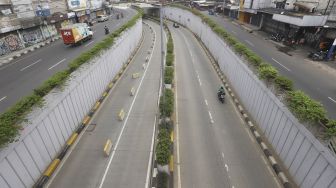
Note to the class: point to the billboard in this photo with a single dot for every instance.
(76, 4)
(96, 4)
(42, 9)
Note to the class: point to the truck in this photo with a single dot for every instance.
(76, 33)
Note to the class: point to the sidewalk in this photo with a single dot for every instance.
(299, 52)
(9, 57)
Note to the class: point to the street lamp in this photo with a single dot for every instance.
(162, 51)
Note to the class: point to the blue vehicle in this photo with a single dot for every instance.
(211, 12)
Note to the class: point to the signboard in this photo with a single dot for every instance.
(6, 12)
(71, 14)
(96, 4)
(77, 4)
(45, 12)
(23, 8)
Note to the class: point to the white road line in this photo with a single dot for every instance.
(206, 102)
(57, 64)
(234, 32)
(177, 131)
(281, 64)
(150, 157)
(250, 43)
(211, 120)
(222, 155)
(30, 65)
(125, 122)
(89, 43)
(3, 98)
(333, 100)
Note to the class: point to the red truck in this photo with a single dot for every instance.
(76, 33)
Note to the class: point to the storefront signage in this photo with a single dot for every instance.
(76, 4)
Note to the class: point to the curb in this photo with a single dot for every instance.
(268, 153)
(154, 175)
(41, 182)
(28, 50)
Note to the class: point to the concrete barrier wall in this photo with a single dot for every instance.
(309, 162)
(23, 162)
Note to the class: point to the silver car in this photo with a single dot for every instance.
(102, 18)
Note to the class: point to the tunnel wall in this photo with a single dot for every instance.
(310, 163)
(48, 129)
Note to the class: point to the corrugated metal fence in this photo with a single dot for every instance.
(309, 162)
(23, 162)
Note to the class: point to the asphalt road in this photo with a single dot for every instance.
(214, 147)
(316, 82)
(20, 77)
(128, 164)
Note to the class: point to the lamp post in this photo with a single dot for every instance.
(162, 52)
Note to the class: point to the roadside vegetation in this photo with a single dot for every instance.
(11, 119)
(164, 146)
(306, 109)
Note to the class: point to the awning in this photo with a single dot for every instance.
(304, 6)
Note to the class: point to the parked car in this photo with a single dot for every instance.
(175, 25)
(102, 18)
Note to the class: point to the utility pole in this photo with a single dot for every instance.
(162, 51)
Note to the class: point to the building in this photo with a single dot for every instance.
(299, 20)
(27, 22)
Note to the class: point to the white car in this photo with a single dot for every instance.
(102, 18)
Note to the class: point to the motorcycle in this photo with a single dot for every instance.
(221, 96)
(277, 37)
(107, 31)
(318, 56)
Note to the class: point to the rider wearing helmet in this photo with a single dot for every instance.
(221, 90)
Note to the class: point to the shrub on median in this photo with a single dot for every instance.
(163, 147)
(11, 118)
(169, 59)
(167, 103)
(169, 75)
(162, 180)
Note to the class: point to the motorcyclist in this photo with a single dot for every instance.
(107, 31)
(221, 90)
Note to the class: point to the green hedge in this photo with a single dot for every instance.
(312, 110)
(167, 103)
(305, 108)
(163, 147)
(284, 83)
(169, 59)
(10, 120)
(268, 73)
(162, 180)
(169, 75)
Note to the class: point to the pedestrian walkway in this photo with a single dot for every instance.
(9, 57)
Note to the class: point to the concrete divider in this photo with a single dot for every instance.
(132, 91)
(135, 75)
(121, 115)
(107, 147)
